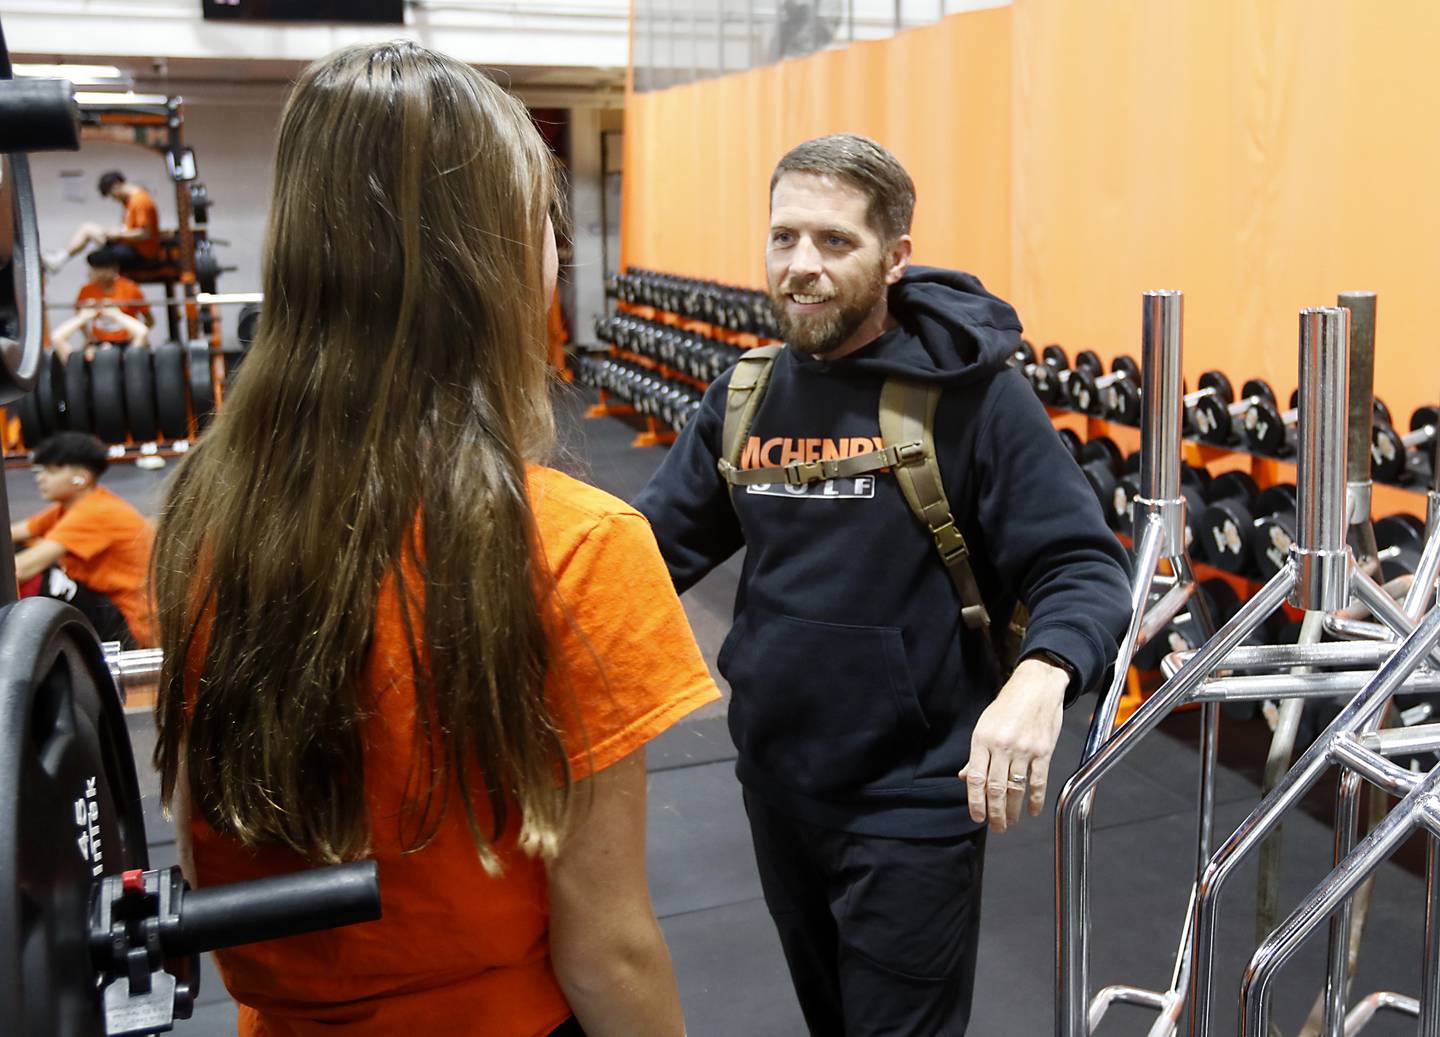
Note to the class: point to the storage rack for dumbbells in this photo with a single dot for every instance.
(682, 333)
(159, 412)
(1097, 413)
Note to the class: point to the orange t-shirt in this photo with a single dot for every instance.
(457, 952)
(124, 290)
(140, 211)
(107, 548)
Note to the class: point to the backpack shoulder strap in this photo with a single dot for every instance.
(907, 415)
(742, 401)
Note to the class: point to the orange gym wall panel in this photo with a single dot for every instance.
(1261, 155)
(699, 157)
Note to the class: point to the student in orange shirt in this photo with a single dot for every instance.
(106, 309)
(91, 548)
(135, 242)
(390, 632)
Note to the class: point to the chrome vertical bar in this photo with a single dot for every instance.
(1322, 582)
(1430, 977)
(1162, 320)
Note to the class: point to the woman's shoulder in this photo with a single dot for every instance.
(568, 512)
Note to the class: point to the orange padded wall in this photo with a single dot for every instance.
(1262, 155)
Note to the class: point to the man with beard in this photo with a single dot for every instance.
(876, 732)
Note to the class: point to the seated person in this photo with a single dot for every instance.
(91, 548)
(135, 243)
(106, 308)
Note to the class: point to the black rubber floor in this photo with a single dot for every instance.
(732, 977)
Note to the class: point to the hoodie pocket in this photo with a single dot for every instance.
(825, 708)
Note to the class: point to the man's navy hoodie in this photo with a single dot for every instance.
(855, 685)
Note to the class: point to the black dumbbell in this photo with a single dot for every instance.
(1072, 442)
(1400, 540)
(1193, 486)
(1212, 417)
(1392, 455)
(1089, 391)
(1227, 520)
(1184, 632)
(1103, 463)
(1044, 377)
(1023, 356)
(1267, 431)
(1273, 530)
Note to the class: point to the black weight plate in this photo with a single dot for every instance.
(69, 813)
(1220, 383)
(1279, 498)
(1103, 482)
(1195, 544)
(1199, 477)
(1226, 527)
(1073, 444)
(1127, 366)
(1121, 516)
(1400, 531)
(1257, 387)
(140, 395)
(1295, 399)
(1024, 353)
(1270, 540)
(1081, 392)
(1043, 381)
(1089, 360)
(202, 386)
(32, 429)
(1103, 450)
(1055, 356)
(107, 392)
(1387, 454)
(1122, 402)
(50, 392)
(1223, 600)
(1423, 417)
(1236, 485)
(78, 415)
(1210, 420)
(1264, 430)
(168, 364)
(1382, 413)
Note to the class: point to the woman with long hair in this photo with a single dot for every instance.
(389, 631)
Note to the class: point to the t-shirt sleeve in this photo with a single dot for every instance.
(42, 523)
(86, 530)
(624, 664)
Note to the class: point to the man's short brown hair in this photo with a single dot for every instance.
(864, 164)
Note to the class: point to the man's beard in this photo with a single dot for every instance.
(827, 331)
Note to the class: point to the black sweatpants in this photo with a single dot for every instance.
(880, 934)
(104, 616)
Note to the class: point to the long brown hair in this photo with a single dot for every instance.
(394, 393)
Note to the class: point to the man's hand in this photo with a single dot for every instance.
(1013, 741)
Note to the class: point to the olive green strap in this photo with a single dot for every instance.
(799, 473)
(907, 415)
(742, 400)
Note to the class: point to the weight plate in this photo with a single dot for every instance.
(107, 391)
(1295, 399)
(1082, 394)
(1220, 383)
(1279, 498)
(1024, 353)
(1382, 413)
(1387, 454)
(78, 415)
(1043, 381)
(1127, 366)
(1210, 418)
(1223, 600)
(168, 364)
(1055, 356)
(202, 388)
(1072, 441)
(1121, 516)
(1270, 541)
(140, 395)
(1236, 485)
(69, 814)
(32, 429)
(1264, 430)
(1226, 525)
(1104, 450)
(1122, 402)
(1089, 361)
(1257, 387)
(1424, 417)
(50, 392)
(1103, 483)
(1194, 532)
(1400, 531)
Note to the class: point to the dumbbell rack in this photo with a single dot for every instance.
(683, 296)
